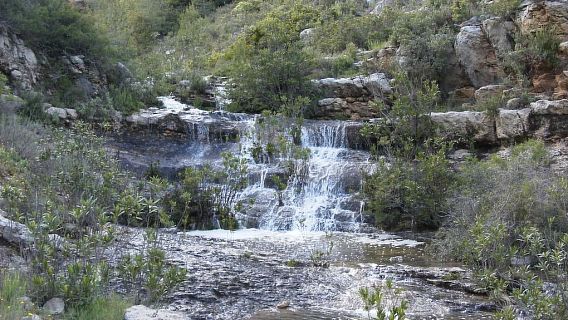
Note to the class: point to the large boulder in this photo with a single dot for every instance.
(14, 232)
(374, 85)
(477, 56)
(465, 126)
(16, 60)
(10, 103)
(488, 92)
(538, 15)
(349, 98)
(512, 124)
(500, 33)
(54, 306)
(140, 312)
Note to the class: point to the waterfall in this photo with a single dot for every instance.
(315, 199)
(317, 193)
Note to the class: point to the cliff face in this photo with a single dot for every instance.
(17, 61)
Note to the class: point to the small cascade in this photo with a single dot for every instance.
(284, 193)
(318, 198)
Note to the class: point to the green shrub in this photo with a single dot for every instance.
(405, 195)
(502, 8)
(534, 53)
(507, 221)
(102, 308)
(3, 82)
(53, 27)
(13, 287)
(33, 108)
(125, 100)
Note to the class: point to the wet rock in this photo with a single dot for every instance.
(183, 119)
(283, 305)
(140, 312)
(17, 60)
(262, 201)
(54, 306)
(477, 56)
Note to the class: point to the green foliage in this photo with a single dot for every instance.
(534, 53)
(267, 63)
(125, 100)
(148, 271)
(385, 301)
(101, 308)
(204, 195)
(33, 108)
(410, 195)
(3, 83)
(508, 222)
(502, 8)
(409, 188)
(53, 27)
(12, 289)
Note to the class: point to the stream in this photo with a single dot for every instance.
(310, 246)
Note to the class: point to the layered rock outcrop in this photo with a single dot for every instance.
(542, 119)
(350, 98)
(478, 56)
(17, 60)
(538, 15)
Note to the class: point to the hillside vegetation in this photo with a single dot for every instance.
(97, 61)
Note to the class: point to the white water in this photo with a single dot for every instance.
(322, 198)
(317, 201)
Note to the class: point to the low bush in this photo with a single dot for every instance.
(507, 221)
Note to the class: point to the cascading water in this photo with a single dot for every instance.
(320, 198)
(319, 194)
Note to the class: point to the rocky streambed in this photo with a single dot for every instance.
(247, 273)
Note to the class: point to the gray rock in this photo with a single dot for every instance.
(547, 107)
(500, 33)
(563, 48)
(465, 126)
(536, 15)
(140, 312)
(58, 113)
(123, 72)
(54, 306)
(478, 57)
(14, 232)
(17, 60)
(511, 124)
(31, 317)
(307, 35)
(515, 103)
(72, 114)
(490, 91)
(10, 103)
